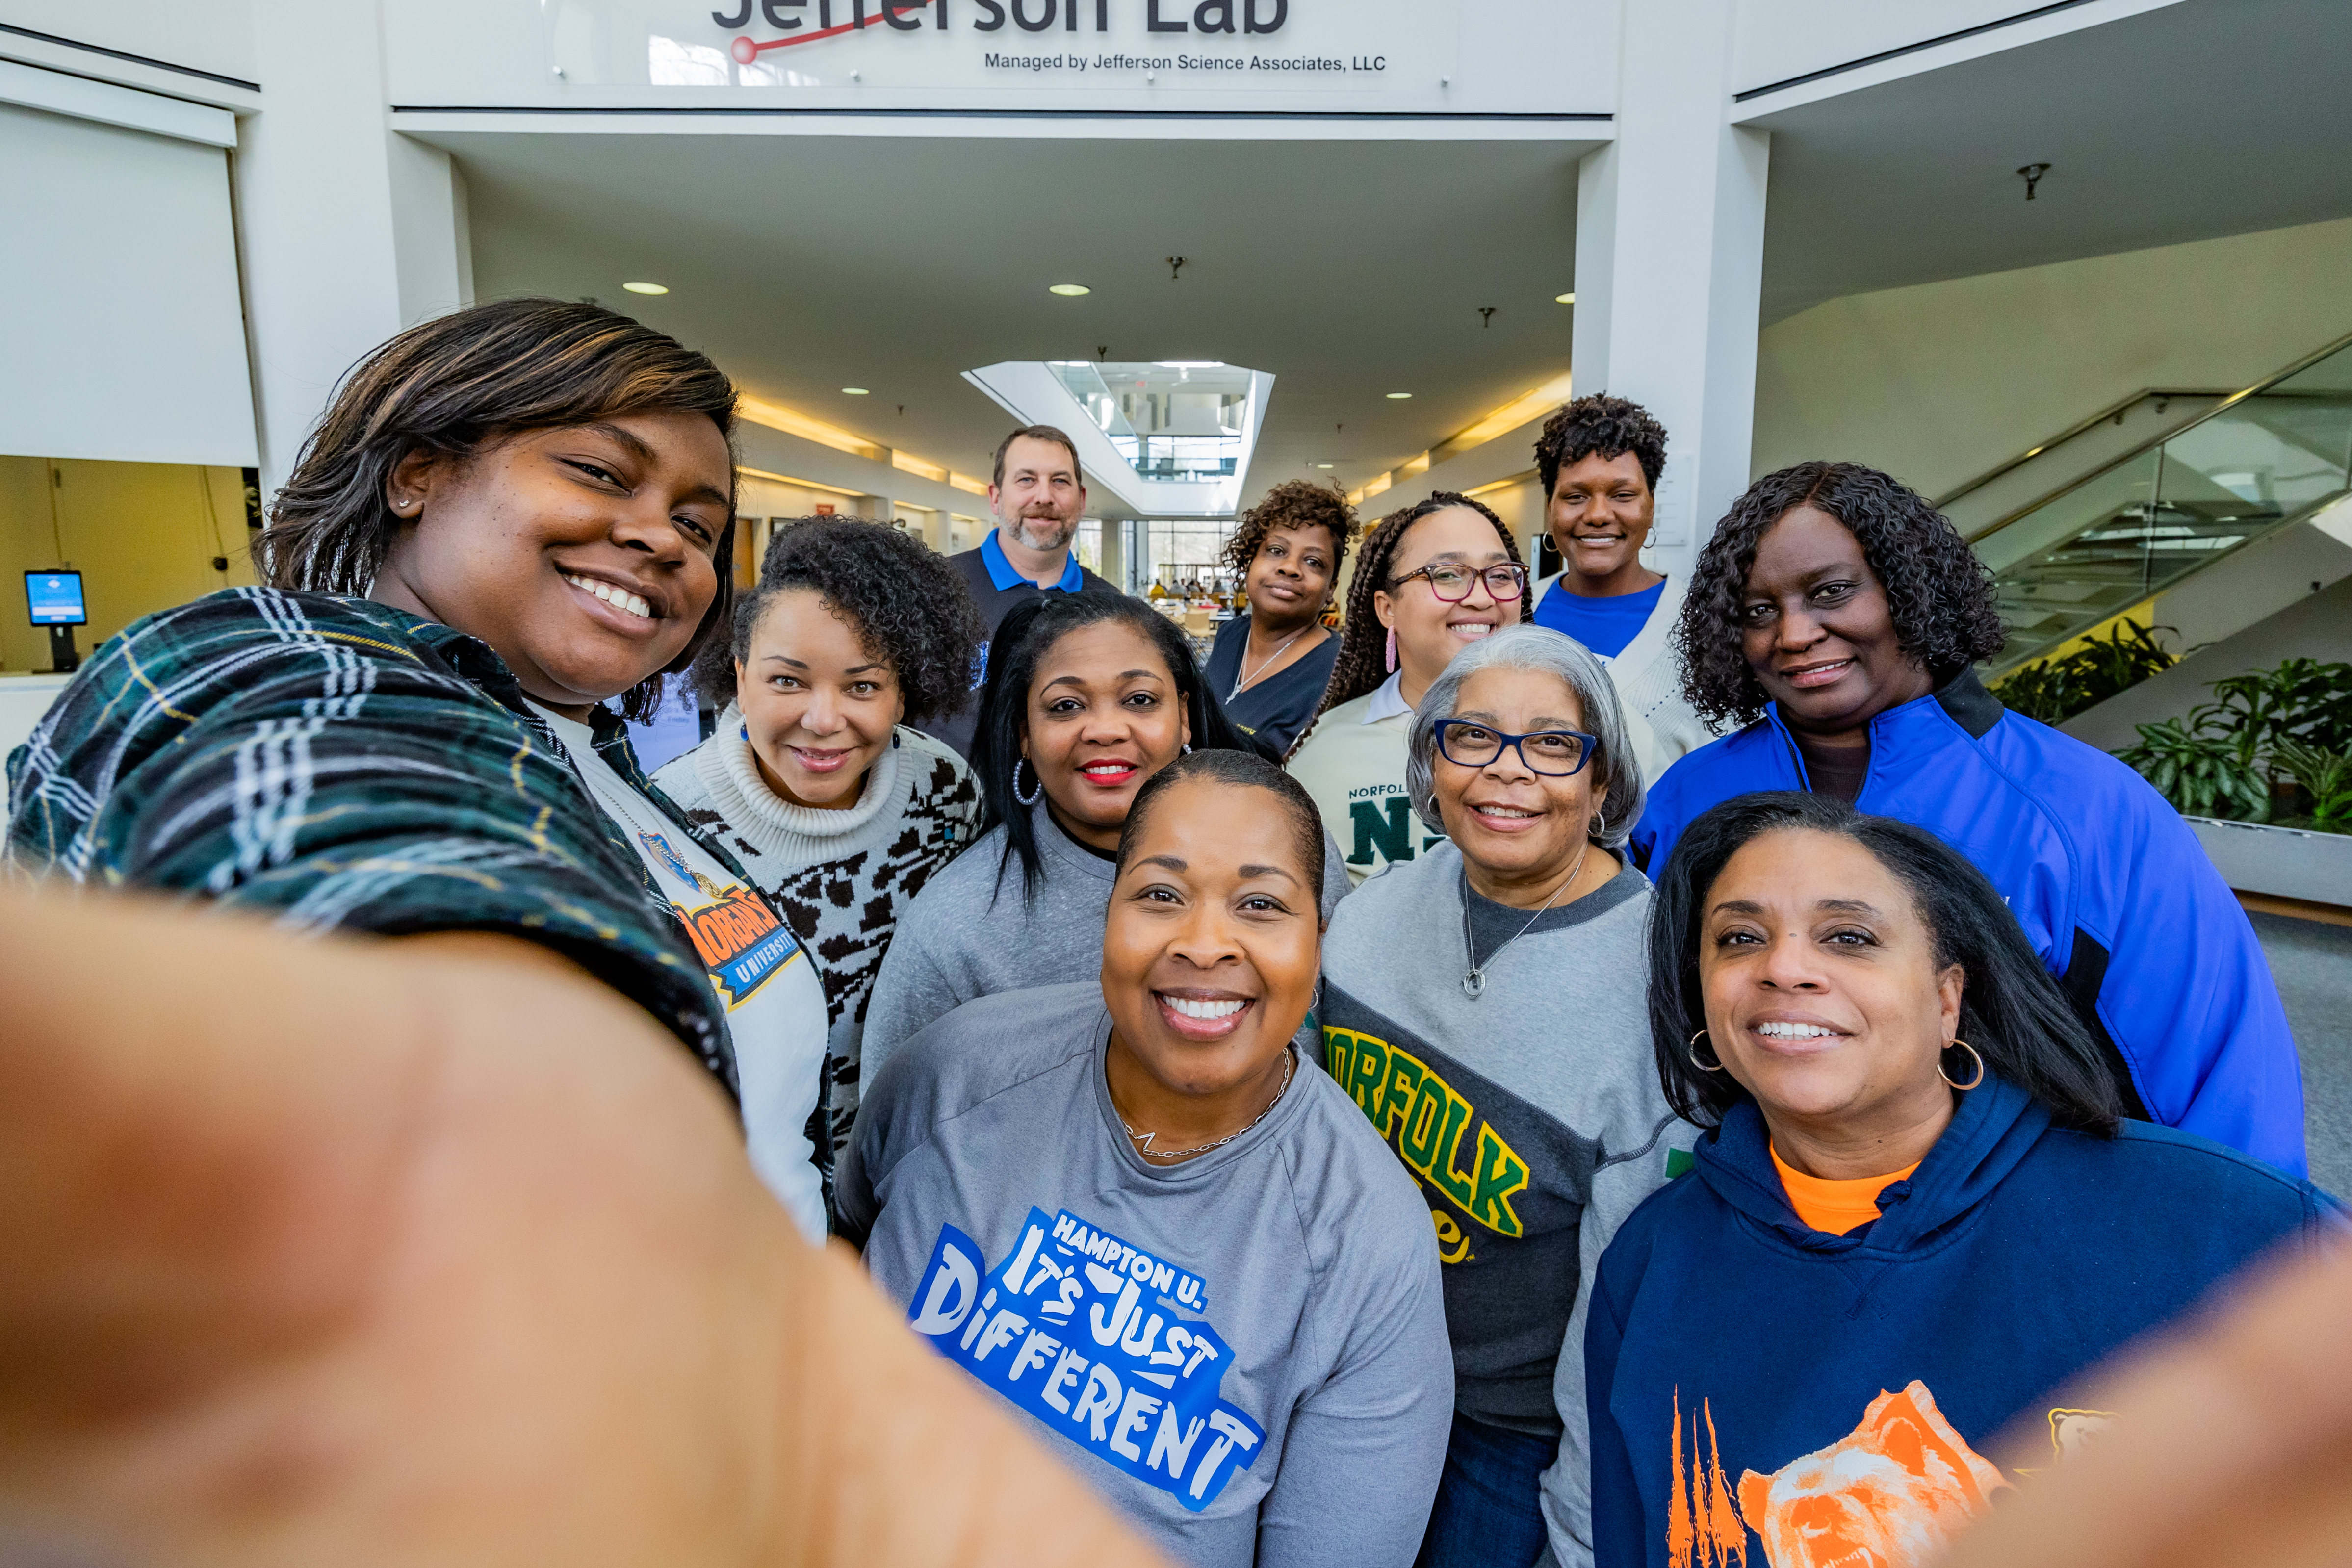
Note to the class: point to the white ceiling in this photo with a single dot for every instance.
(1350, 269)
(2193, 120)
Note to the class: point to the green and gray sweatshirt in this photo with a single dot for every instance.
(1530, 1117)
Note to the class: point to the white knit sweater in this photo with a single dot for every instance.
(842, 878)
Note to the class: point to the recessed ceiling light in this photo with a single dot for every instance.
(1399, 396)
(1071, 289)
(854, 392)
(646, 288)
(1322, 464)
(1567, 298)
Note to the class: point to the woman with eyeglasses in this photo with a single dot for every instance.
(1483, 1006)
(1433, 579)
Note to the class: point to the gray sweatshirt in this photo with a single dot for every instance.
(1244, 1353)
(1531, 1117)
(973, 932)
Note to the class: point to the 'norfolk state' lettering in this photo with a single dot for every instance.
(1530, 1117)
(1101, 1340)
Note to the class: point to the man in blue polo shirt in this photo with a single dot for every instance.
(1038, 496)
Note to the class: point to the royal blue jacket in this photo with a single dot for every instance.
(2114, 892)
(1749, 1376)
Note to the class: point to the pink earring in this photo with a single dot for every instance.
(1392, 650)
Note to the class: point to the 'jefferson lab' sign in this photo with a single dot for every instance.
(1326, 56)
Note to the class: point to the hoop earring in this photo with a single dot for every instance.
(1692, 1050)
(1392, 650)
(1036, 788)
(1946, 1077)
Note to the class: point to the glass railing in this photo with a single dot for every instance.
(2263, 460)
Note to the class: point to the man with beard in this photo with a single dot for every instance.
(1038, 496)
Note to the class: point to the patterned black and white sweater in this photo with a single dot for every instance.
(841, 879)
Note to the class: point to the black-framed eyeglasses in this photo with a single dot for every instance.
(1505, 580)
(1554, 753)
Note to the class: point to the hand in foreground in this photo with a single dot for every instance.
(435, 1252)
(2233, 1444)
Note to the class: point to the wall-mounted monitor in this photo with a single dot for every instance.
(55, 599)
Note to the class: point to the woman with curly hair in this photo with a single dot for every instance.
(1433, 578)
(1836, 615)
(838, 808)
(1600, 459)
(1270, 665)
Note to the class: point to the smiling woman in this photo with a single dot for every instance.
(1836, 615)
(1483, 1006)
(1915, 1219)
(1089, 696)
(508, 518)
(1433, 579)
(1127, 1207)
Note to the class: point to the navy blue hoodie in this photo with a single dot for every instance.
(2114, 891)
(1751, 1379)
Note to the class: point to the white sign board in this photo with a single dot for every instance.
(1414, 57)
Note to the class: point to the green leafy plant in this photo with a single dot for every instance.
(2056, 690)
(2327, 780)
(2301, 700)
(2226, 757)
(2203, 774)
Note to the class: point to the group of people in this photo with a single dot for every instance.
(1367, 1098)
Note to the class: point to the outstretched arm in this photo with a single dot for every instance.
(435, 1252)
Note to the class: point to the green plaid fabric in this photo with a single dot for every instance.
(341, 765)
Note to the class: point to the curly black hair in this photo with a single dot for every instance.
(1293, 503)
(1610, 427)
(1363, 664)
(1939, 593)
(908, 606)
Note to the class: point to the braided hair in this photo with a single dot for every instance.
(1363, 664)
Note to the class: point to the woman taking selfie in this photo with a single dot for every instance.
(1836, 615)
(1088, 696)
(1127, 1206)
(838, 809)
(1916, 1218)
(1270, 665)
(507, 518)
(1433, 579)
(1482, 1005)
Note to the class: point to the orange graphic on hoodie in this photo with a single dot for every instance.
(1889, 1494)
(1703, 1528)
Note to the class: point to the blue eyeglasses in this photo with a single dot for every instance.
(1554, 753)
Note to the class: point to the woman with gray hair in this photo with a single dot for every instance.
(1485, 1006)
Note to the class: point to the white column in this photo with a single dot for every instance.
(347, 231)
(1669, 262)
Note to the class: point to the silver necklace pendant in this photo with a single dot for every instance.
(1473, 981)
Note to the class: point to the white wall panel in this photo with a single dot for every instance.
(122, 336)
(215, 35)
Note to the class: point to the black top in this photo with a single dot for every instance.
(1837, 770)
(995, 603)
(1275, 709)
